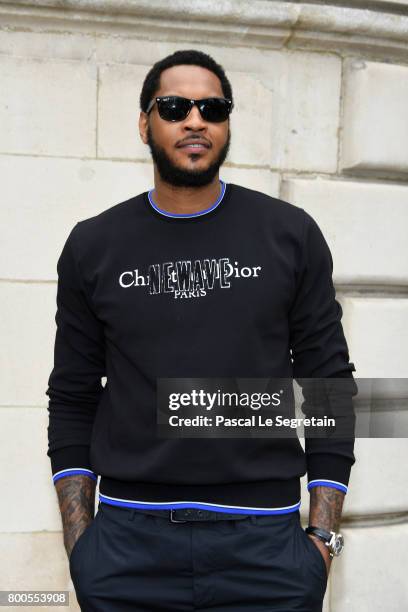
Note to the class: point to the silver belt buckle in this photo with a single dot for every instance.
(172, 519)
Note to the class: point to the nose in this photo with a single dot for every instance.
(194, 121)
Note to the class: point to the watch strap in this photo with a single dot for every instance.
(321, 533)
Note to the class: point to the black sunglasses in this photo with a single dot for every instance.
(176, 108)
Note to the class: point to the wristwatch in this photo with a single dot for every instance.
(333, 541)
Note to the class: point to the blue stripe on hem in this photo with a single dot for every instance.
(73, 472)
(328, 483)
(199, 505)
(197, 214)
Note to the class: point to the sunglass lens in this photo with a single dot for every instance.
(173, 108)
(215, 109)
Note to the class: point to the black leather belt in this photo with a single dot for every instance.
(183, 515)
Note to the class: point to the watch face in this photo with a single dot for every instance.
(337, 544)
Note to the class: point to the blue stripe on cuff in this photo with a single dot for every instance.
(328, 483)
(73, 472)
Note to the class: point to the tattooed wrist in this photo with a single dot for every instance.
(76, 498)
(326, 504)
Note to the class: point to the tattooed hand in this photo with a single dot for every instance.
(326, 505)
(323, 550)
(76, 497)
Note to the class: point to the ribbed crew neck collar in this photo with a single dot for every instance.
(185, 216)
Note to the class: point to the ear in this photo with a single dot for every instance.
(143, 121)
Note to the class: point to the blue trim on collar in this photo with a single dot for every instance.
(187, 215)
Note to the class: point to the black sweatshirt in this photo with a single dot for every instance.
(144, 294)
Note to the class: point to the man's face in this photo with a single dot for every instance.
(176, 161)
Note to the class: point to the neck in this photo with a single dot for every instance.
(185, 200)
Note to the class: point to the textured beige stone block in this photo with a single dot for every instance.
(118, 112)
(23, 450)
(375, 122)
(47, 107)
(35, 561)
(377, 335)
(304, 111)
(363, 223)
(382, 461)
(371, 573)
(251, 120)
(27, 329)
(252, 178)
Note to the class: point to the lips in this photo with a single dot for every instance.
(194, 144)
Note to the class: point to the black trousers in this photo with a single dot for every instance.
(129, 561)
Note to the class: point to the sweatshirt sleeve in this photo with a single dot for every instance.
(319, 350)
(74, 385)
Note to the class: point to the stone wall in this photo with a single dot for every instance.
(320, 120)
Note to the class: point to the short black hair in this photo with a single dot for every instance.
(192, 57)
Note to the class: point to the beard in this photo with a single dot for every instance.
(182, 177)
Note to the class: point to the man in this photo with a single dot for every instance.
(194, 279)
